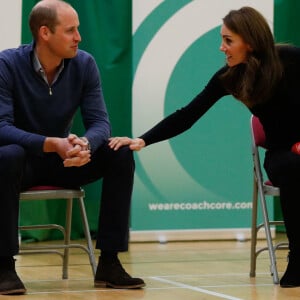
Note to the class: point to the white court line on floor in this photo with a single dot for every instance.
(60, 292)
(196, 289)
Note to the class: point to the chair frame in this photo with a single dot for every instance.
(262, 188)
(62, 249)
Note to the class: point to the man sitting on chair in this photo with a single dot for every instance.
(42, 85)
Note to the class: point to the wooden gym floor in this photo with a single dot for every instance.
(172, 271)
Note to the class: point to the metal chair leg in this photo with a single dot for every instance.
(269, 238)
(68, 224)
(253, 231)
(87, 235)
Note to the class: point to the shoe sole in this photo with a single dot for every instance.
(289, 286)
(104, 284)
(13, 292)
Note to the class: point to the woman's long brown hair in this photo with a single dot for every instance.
(253, 82)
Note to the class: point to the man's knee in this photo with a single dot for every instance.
(125, 152)
(125, 155)
(122, 158)
(11, 159)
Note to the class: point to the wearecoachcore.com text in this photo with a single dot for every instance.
(204, 205)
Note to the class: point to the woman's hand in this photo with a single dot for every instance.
(135, 144)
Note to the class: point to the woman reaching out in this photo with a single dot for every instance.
(266, 78)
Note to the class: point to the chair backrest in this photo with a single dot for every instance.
(258, 133)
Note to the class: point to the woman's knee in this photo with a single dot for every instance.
(283, 167)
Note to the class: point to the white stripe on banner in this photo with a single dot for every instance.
(140, 11)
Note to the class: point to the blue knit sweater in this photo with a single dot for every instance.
(29, 112)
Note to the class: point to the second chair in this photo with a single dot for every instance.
(262, 188)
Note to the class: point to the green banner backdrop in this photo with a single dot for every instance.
(200, 182)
